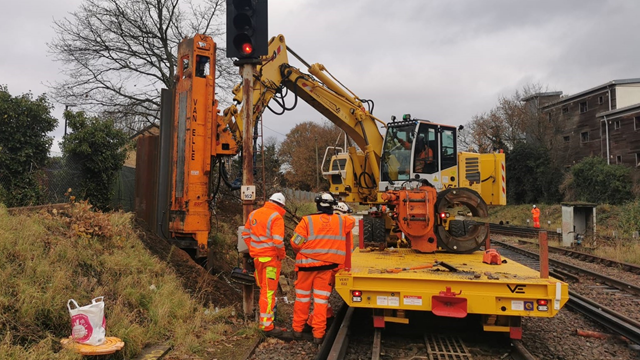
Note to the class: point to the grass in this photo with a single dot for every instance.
(623, 220)
(48, 258)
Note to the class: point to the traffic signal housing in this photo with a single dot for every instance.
(247, 29)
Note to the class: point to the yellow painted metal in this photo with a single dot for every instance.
(397, 320)
(493, 328)
(510, 289)
(490, 170)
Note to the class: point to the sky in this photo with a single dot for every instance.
(444, 61)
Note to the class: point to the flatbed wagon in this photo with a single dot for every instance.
(394, 281)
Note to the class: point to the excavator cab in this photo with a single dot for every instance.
(419, 149)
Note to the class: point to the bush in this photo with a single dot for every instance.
(531, 175)
(24, 146)
(593, 180)
(99, 147)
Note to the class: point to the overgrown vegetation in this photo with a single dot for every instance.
(99, 149)
(76, 253)
(24, 146)
(531, 175)
(594, 180)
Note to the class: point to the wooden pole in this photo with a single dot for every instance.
(247, 71)
(544, 254)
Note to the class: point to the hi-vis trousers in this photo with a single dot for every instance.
(267, 276)
(314, 285)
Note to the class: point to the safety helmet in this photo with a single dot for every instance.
(325, 200)
(278, 198)
(534, 206)
(342, 207)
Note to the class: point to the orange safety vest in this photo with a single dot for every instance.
(535, 212)
(320, 240)
(264, 232)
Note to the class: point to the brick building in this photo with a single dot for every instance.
(602, 121)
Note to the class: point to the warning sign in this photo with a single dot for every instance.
(412, 300)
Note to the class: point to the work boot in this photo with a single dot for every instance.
(276, 332)
(318, 341)
(297, 335)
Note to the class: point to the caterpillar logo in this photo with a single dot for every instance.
(517, 289)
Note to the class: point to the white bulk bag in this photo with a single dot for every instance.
(87, 322)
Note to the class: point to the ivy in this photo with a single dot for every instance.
(24, 146)
(99, 148)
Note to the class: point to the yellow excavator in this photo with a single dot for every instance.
(413, 177)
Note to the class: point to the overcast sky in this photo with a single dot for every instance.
(439, 60)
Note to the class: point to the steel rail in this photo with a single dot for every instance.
(519, 352)
(558, 264)
(611, 319)
(632, 268)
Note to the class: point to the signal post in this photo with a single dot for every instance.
(247, 40)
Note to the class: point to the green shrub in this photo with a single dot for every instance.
(593, 180)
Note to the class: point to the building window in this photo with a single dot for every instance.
(565, 110)
(637, 159)
(618, 159)
(584, 136)
(616, 124)
(636, 123)
(549, 117)
(600, 99)
(566, 139)
(583, 107)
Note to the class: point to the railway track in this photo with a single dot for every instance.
(586, 257)
(610, 318)
(523, 231)
(429, 345)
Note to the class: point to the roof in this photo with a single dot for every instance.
(541, 94)
(593, 89)
(621, 112)
(151, 129)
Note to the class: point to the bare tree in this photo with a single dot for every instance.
(117, 55)
(512, 121)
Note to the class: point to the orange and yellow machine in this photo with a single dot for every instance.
(199, 135)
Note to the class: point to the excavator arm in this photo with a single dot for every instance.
(320, 91)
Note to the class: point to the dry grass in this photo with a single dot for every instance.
(49, 258)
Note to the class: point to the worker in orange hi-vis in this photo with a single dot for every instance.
(341, 209)
(320, 241)
(536, 216)
(264, 234)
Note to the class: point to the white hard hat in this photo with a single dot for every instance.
(277, 198)
(325, 200)
(534, 206)
(342, 207)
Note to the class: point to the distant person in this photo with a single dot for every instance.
(264, 234)
(536, 217)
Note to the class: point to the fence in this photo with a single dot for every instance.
(61, 174)
(299, 195)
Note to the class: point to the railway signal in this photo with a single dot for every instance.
(247, 29)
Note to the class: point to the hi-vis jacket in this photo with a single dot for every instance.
(320, 241)
(535, 212)
(264, 232)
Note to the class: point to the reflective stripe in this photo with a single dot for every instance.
(281, 245)
(269, 224)
(261, 245)
(269, 316)
(310, 222)
(278, 237)
(308, 261)
(303, 292)
(326, 237)
(323, 251)
(303, 299)
(320, 301)
(266, 323)
(321, 292)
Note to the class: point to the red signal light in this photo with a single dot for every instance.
(444, 215)
(356, 293)
(542, 302)
(247, 48)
